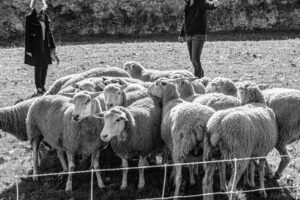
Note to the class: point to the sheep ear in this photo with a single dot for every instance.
(95, 94)
(99, 115)
(75, 85)
(124, 117)
(101, 85)
(123, 87)
(192, 79)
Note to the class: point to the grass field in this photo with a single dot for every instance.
(272, 59)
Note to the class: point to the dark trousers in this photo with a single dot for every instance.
(40, 71)
(195, 44)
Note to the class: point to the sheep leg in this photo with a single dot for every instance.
(222, 174)
(95, 162)
(191, 172)
(125, 172)
(252, 172)
(208, 181)
(284, 161)
(261, 177)
(268, 170)
(240, 168)
(35, 146)
(196, 169)
(142, 162)
(60, 155)
(71, 169)
(178, 179)
(171, 177)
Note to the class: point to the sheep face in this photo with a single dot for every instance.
(114, 125)
(222, 85)
(183, 86)
(135, 69)
(248, 92)
(163, 87)
(156, 89)
(113, 95)
(84, 87)
(83, 105)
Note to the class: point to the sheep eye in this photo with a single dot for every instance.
(163, 83)
(88, 101)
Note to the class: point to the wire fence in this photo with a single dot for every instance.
(164, 166)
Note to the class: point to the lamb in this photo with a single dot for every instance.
(241, 132)
(50, 120)
(12, 118)
(133, 131)
(183, 125)
(138, 71)
(286, 106)
(74, 78)
(116, 95)
(222, 85)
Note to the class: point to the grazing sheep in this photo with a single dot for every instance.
(74, 78)
(241, 132)
(13, 118)
(222, 85)
(116, 95)
(183, 125)
(138, 71)
(286, 106)
(50, 120)
(134, 131)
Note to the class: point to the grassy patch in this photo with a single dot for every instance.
(275, 62)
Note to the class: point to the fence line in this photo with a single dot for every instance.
(231, 192)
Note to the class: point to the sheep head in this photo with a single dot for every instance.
(248, 92)
(114, 95)
(222, 85)
(114, 125)
(83, 105)
(164, 89)
(87, 86)
(135, 69)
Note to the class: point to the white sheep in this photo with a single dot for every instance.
(116, 95)
(183, 125)
(138, 71)
(240, 132)
(50, 119)
(286, 106)
(74, 78)
(222, 85)
(13, 118)
(134, 131)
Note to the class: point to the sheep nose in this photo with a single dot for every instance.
(76, 117)
(104, 137)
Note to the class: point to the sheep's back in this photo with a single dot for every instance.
(286, 106)
(217, 101)
(244, 132)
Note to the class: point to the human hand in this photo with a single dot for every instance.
(54, 57)
(180, 39)
(29, 54)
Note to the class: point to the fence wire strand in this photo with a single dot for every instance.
(235, 160)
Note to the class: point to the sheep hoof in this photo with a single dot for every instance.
(252, 185)
(101, 186)
(263, 194)
(277, 176)
(123, 187)
(223, 189)
(68, 187)
(141, 186)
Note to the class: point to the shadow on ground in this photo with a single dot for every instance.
(255, 35)
(52, 187)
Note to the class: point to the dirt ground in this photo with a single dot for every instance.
(272, 58)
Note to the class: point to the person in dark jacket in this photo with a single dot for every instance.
(39, 43)
(194, 29)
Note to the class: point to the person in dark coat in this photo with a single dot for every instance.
(39, 43)
(194, 29)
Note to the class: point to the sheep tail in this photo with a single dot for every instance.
(13, 119)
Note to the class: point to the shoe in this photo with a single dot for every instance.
(40, 91)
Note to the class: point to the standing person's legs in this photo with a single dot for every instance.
(197, 45)
(37, 77)
(44, 75)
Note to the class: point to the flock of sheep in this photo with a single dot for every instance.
(138, 112)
